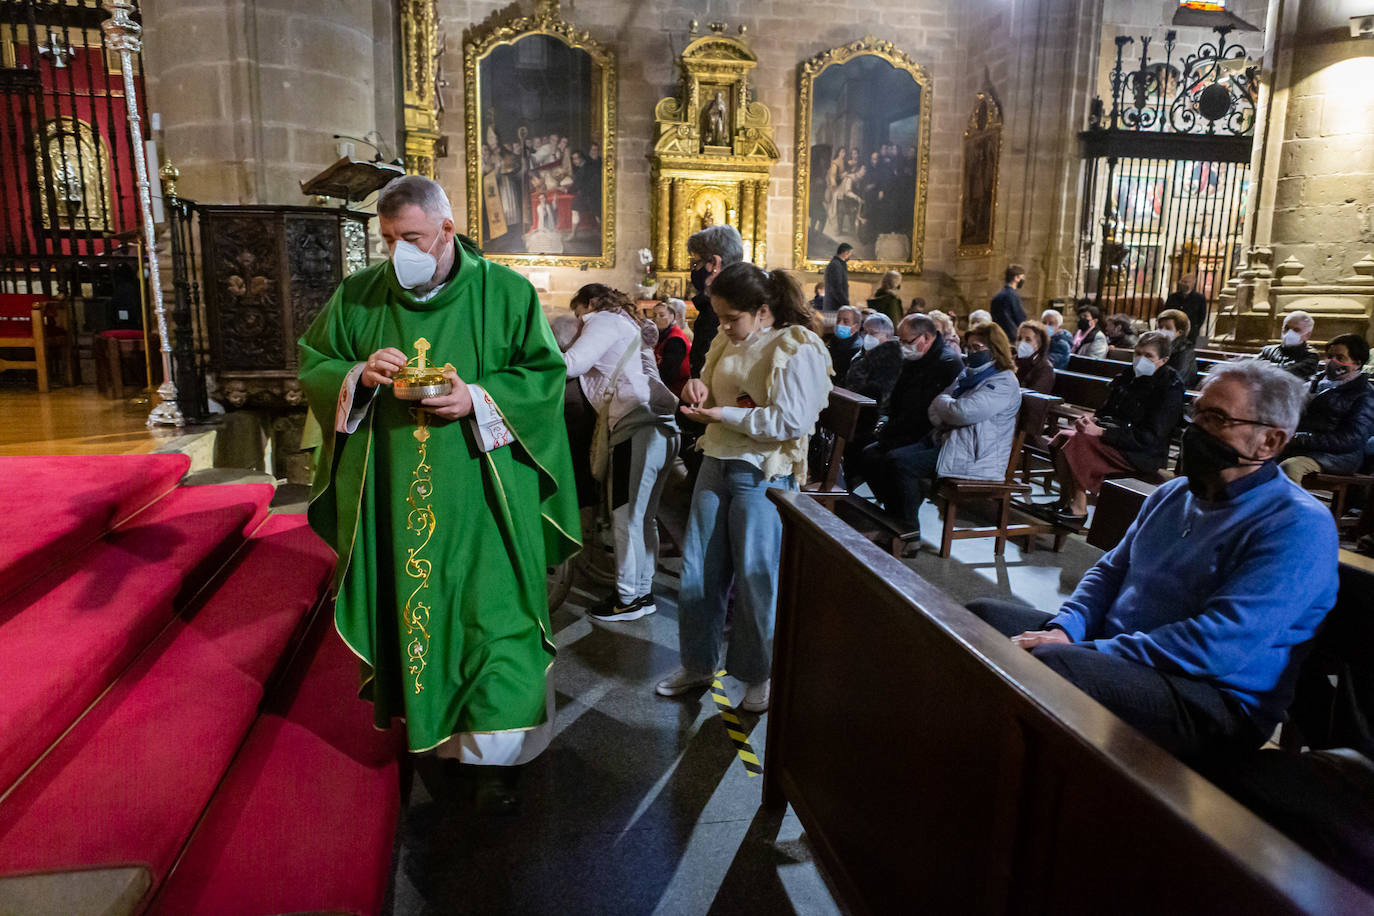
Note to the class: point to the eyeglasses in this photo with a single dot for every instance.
(1220, 419)
(975, 347)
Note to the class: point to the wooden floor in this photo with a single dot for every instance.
(73, 421)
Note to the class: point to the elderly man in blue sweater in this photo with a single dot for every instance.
(1193, 627)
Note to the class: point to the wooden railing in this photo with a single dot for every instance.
(937, 768)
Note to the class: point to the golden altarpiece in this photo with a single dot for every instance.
(712, 155)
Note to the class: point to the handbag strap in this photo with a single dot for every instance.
(609, 393)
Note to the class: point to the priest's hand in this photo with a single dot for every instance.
(453, 406)
(694, 392)
(381, 366)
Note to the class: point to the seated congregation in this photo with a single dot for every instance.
(1193, 628)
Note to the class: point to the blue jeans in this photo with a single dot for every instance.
(734, 535)
(636, 523)
(900, 477)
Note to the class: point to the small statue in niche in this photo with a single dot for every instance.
(708, 217)
(715, 121)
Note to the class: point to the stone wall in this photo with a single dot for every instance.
(250, 92)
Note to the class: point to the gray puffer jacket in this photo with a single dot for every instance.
(977, 427)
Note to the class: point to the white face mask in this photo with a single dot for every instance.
(1291, 338)
(909, 352)
(414, 267)
(870, 341)
(1168, 333)
(1025, 349)
(1143, 366)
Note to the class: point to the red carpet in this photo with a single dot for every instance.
(56, 506)
(177, 697)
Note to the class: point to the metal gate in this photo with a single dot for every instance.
(1166, 175)
(67, 178)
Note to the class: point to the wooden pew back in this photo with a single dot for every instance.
(1091, 365)
(1080, 389)
(937, 768)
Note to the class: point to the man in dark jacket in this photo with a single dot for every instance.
(1291, 353)
(709, 251)
(837, 278)
(1339, 418)
(1191, 303)
(1006, 305)
(928, 368)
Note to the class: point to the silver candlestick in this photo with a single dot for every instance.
(125, 36)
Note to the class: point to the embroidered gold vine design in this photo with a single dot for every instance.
(421, 521)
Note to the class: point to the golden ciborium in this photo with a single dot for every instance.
(419, 380)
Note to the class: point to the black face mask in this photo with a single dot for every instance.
(1083, 324)
(1021, 282)
(1203, 457)
(699, 278)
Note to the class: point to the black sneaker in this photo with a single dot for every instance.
(611, 609)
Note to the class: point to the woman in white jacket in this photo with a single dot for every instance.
(974, 423)
(611, 349)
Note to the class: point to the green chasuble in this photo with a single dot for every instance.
(443, 548)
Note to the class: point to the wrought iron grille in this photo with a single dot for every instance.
(1210, 91)
(1166, 173)
(66, 166)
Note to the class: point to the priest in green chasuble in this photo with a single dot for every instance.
(445, 512)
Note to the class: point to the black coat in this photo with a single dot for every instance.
(842, 352)
(1336, 425)
(908, 420)
(703, 332)
(1183, 360)
(1007, 311)
(1192, 304)
(1301, 360)
(874, 373)
(836, 284)
(1141, 414)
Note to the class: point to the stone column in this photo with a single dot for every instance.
(1311, 231)
(250, 92)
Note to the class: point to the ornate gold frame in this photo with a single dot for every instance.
(420, 47)
(96, 189)
(992, 126)
(809, 70)
(478, 42)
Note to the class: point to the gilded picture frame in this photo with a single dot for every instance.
(980, 177)
(532, 189)
(866, 93)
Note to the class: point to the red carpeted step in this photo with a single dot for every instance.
(55, 506)
(307, 814)
(297, 827)
(129, 782)
(64, 638)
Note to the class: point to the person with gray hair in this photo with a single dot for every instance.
(1192, 628)
(709, 252)
(1292, 352)
(847, 340)
(876, 366)
(433, 376)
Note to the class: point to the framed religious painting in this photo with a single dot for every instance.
(540, 115)
(978, 197)
(863, 156)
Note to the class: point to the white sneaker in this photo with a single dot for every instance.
(756, 697)
(681, 681)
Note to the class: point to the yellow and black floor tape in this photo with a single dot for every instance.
(734, 729)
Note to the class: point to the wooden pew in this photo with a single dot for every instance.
(1091, 365)
(840, 419)
(938, 768)
(1118, 503)
(1080, 389)
(1121, 354)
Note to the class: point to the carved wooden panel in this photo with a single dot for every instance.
(268, 272)
(243, 279)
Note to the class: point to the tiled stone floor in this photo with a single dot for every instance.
(640, 805)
